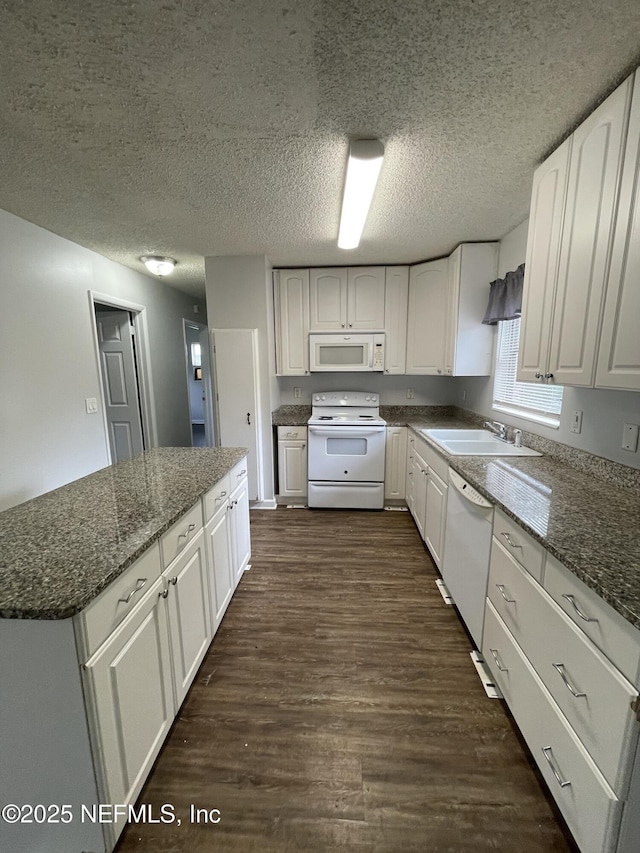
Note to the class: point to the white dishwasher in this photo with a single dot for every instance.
(466, 555)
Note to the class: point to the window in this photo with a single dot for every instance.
(196, 355)
(532, 400)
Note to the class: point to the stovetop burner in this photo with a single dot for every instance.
(346, 408)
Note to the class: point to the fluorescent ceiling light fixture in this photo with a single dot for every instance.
(158, 265)
(363, 168)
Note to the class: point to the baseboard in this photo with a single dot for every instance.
(268, 504)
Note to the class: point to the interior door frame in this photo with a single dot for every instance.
(211, 423)
(143, 362)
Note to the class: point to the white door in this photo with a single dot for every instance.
(207, 388)
(117, 364)
(218, 539)
(238, 395)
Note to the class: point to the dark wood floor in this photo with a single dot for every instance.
(338, 709)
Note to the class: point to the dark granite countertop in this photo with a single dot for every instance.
(59, 550)
(592, 526)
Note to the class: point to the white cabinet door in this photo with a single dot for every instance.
(435, 516)
(541, 267)
(421, 481)
(327, 299)
(426, 326)
(292, 468)
(395, 319)
(410, 481)
(292, 322)
(395, 463)
(239, 533)
(619, 352)
(365, 298)
(221, 579)
(594, 176)
(131, 696)
(190, 626)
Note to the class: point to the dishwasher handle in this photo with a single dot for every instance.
(467, 491)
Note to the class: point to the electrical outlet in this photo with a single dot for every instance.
(410, 394)
(91, 405)
(297, 393)
(630, 437)
(576, 421)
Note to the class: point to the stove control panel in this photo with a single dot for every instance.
(346, 398)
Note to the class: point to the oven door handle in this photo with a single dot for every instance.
(345, 432)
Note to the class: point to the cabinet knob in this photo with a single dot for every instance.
(548, 376)
(538, 375)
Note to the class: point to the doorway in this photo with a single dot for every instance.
(120, 336)
(199, 384)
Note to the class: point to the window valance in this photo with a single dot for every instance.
(505, 297)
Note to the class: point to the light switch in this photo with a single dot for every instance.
(297, 393)
(410, 394)
(630, 437)
(91, 404)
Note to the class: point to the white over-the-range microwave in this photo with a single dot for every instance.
(346, 353)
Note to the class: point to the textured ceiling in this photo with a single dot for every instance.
(198, 127)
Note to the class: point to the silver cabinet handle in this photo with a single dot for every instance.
(572, 601)
(559, 667)
(510, 541)
(164, 593)
(499, 663)
(546, 751)
(538, 375)
(174, 581)
(244, 471)
(189, 530)
(500, 587)
(220, 496)
(139, 585)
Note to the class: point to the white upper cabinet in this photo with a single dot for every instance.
(541, 266)
(291, 294)
(328, 299)
(592, 193)
(573, 207)
(468, 342)
(350, 298)
(426, 319)
(395, 317)
(619, 354)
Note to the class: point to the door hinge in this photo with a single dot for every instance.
(635, 707)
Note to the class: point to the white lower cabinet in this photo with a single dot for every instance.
(129, 689)
(571, 701)
(395, 467)
(239, 532)
(219, 559)
(189, 614)
(292, 462)
(426, 493)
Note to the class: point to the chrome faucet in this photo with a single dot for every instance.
(498, 429)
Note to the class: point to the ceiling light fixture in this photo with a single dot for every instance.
(158, 265)
(363, 168)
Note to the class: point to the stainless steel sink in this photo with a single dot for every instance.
(475, 442)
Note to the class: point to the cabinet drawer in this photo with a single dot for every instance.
(292, 433)
(437, 462)
(616, 637)
(237, 474)
(588, 804)
(180, 534)
(106, 612)
(522, 547)
(568, 664)
(216, 497)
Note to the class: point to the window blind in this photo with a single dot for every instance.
(528, 397)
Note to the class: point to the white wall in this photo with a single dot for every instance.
(48, 364)
(240, 296)
(604, 412)
(427, 390)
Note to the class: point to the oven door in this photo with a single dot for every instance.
(347, 453)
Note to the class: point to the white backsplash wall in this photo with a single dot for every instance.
(428, 390)
(604, 412)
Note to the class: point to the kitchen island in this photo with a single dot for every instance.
(113, 587)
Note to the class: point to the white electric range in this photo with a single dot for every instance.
(346, 451)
